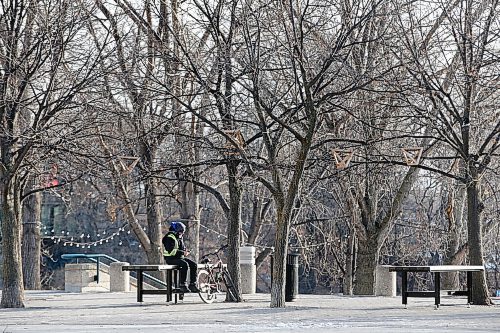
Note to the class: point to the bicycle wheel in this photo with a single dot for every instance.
(232, 294)
(206, 286)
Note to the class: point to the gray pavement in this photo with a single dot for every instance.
(57, 312)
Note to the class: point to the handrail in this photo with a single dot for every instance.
(95, 257)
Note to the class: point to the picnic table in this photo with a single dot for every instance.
(171, 271)
(437, 270)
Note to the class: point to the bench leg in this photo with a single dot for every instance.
(469, 287)
(169, 285)
(176, 283)
(404, 287)
(437, 289)
(139, 285)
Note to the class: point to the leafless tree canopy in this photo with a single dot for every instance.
(354, 133)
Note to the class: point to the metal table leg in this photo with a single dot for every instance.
(139, 285)
(404, 287)
(469, 287)
(437, 289)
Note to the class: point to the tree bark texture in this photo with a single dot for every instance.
(452, 256)
(279, 260)
(366, 263)
(234, 225)
(474, 209)
(31, 245)
(153, 212)
(350, 265)
(13, 290)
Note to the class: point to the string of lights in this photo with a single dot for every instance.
(209, 230)
(85, 240)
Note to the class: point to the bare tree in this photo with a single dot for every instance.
(294, 76)
(471, 71)
(37, 51)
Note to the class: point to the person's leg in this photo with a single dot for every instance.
(193, 271)
(193, 275)
(183, 269)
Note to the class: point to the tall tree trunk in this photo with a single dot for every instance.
(366, 263)
(13, 290)
(234, 226)
(31, 245)
(279, 259)
(453, 255)
(350, 264)
(189, 213)
(475, 241)
(154, 218)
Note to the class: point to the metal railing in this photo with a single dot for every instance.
(96, 258)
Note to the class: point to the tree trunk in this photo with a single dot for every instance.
(13, 291)
(154, 218)
(452, 254)
(234, 227)
(475, 241)
(366, 263)
(31, 245)
(190, 201)
(350, 265)
(279, 260)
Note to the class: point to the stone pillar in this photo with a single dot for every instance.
(80, 278)
(385, 281)
(119, 280)
(248, 270)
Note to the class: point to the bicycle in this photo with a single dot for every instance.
(214, 279)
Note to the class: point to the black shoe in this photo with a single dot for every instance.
(184, 289)
(194, 288)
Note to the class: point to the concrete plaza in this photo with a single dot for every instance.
(58, 311)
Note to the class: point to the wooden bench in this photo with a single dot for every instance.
(437, 270)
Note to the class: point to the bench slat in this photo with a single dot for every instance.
(442, 268)
(149, 267)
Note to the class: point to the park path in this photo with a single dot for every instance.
(57, 312)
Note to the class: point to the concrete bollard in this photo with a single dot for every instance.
(119, 281)
(385, 281)
(248, 270)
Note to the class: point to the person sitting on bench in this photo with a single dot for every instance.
(175, 254)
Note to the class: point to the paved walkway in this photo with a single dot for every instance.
(57, 312)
